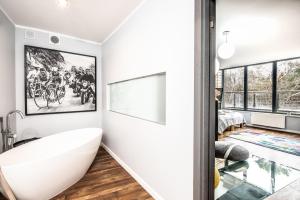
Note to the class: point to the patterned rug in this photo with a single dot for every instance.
(274, 142)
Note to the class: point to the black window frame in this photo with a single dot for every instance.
(223, 81)
(282, 110)
(275, 100)
(272, 97)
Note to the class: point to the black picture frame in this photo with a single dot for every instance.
(26, 82)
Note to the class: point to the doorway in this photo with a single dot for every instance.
(256, 61)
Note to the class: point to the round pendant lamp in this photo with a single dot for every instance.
(227, 49)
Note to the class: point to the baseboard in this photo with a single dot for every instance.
(273, 129)
(150, 190)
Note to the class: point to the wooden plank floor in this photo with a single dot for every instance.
(292, 136)
(105, 180)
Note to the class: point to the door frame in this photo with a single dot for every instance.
(204, 100)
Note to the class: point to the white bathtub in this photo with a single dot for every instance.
(41, 169)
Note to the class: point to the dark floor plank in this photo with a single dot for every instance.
(105, 180)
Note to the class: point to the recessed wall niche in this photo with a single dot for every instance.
(142, 97)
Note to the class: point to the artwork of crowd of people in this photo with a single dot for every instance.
(50, 78)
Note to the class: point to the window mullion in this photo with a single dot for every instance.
(223, 94)
(245, 88)
(274, 88)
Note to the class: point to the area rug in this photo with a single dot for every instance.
(274, 142)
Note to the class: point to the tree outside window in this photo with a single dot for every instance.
(288, 85)
(260, 86)
(234, 88)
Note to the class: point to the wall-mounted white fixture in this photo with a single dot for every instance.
(227, 49)
(54, 39)
(63, 3)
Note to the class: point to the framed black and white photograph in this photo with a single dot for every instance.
(59, 81)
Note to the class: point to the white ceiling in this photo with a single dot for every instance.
(261, 30)
(86, 19)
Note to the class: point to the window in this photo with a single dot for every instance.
(143, 98)
(271, 87)
(288, 85)
(219, 79)
(234, 88)
(260, 86)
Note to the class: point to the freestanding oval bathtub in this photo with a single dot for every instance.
(41, 169)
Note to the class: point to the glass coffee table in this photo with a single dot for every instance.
(256, 178)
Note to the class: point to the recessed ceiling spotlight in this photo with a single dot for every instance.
(63, 3)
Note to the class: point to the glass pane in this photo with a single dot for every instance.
(219, 79)
(288, 85)
(272, 176)
(260, 86)
(234, 88)
(143, 98)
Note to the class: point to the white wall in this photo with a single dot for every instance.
(261, 30)
(159, 37)
(7, 61)
(43, 125)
